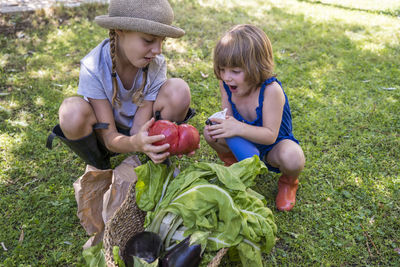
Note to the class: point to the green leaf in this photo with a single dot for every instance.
(94, 256)
(117, 258)
(215, 204)
(138, 262)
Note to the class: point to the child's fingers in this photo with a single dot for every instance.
(191, 153)
(208, 137)
(158, 158)
(216, 131)
(147, 125)
(155, 138)
(159, 149)
(219, 134)
(216, 120)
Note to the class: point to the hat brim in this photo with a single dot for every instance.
(139, 25)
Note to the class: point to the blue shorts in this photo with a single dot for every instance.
(270, 168)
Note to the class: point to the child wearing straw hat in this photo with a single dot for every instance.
(123, 83)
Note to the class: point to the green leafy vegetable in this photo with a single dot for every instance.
(138, 262)
(150, 188)
(117, 258)
(94, 256)
(213, 200)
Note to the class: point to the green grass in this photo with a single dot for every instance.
(339, 65)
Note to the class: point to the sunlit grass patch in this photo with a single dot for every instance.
(175, 46)
(391, 7)
(339, 65)
(381, 29)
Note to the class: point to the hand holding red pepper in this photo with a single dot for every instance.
(183, 139)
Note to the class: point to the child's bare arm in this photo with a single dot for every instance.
(143, 114)
(120, 143)
(274, 100)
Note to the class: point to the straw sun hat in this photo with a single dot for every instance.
(149, 16)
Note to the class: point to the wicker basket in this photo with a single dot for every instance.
(126, 222)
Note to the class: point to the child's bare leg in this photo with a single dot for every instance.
(173, 100)
(76, 131)
(289, 158)
(76, 118)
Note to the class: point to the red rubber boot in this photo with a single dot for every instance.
(228, 158)
(287, 187)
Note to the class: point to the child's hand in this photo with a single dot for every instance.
(224, 128)
(207, 135)
(144, 142)
(190, 154)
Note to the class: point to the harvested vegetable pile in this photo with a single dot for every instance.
(211, 201)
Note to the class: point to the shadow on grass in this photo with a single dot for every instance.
(344, 119)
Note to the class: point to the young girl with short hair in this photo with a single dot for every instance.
(257, 108)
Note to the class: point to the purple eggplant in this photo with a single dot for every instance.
(144, 245)
(182, 255)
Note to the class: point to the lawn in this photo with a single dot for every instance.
(339, 64)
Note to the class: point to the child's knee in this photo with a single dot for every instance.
(294, 160)
(75, 114)
(173, 100)
(177, 91)
(74, 105)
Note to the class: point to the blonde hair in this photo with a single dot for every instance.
(138, 96)
(248, 47)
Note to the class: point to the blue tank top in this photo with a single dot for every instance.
(285, 131)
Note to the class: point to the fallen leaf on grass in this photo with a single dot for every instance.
(293, 234)
(5, 109)
(372, 220)
(30, 182)
(203, 75)
(21, 237)
(20, 35)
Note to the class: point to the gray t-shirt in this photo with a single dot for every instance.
(95, 82)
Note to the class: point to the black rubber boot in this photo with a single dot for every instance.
(87, 148)
(190, 114)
